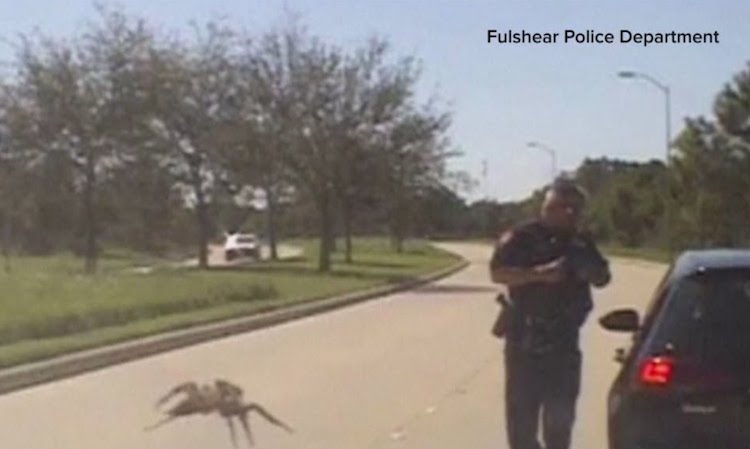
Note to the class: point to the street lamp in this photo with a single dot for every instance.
(628, 74)
(549, 150)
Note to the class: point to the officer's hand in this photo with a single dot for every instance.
(587, 263)
(552, 271)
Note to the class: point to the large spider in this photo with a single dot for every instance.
(223, 398)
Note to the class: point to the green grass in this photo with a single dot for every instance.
(48, 307)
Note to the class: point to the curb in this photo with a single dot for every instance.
(27, 375)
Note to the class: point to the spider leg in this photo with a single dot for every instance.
(232, 432)
(159, 424)
(190, 388)
(246, 425)
(268, 416)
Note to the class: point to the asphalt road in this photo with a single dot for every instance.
(415, 370)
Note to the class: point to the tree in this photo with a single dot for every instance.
(190, 89)
(119, 113)
(441, 213)
(12, 200)
(626, 200)
(81, 96)
(711, 162)
(371, 96)
(415, 152)
(710, 177)
(297, 74)
(256, 134)
(142, 200)
(732, 110)
(626, 219)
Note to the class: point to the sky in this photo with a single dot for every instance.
(502, 96)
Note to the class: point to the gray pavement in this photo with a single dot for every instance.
(417, 369)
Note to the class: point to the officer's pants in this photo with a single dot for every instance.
(546, 385)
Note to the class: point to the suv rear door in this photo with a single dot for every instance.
(704, 333)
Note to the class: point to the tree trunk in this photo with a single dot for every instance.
(397, 231)
(91, 252)
(348, 230)
(6, 243)
(271, 222)
(201, 215)
(333, 237)
(397, 238)
(397, 213)
(324, 213)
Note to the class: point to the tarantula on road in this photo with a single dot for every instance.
(223, 398)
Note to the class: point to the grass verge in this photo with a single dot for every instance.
(48, 308)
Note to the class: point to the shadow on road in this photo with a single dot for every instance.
(454, 288)
(310, 271)
(393, 265)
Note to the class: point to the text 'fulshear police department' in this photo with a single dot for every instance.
(596, 37)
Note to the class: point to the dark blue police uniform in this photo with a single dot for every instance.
(542, 356)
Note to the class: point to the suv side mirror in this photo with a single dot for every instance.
(623, 320)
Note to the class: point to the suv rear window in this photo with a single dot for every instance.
(707, 319)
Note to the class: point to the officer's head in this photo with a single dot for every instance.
(563, 205)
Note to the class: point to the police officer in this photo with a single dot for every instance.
(548, 266)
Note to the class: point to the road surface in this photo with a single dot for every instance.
(416, 370)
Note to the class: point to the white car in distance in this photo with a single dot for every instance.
(238, 246)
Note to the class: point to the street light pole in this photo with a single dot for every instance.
(668, 129)
(485, 185)
(668, 113)
(667, 102)
(549, 150)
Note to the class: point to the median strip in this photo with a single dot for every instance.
(27, 375)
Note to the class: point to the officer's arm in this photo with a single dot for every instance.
(601, 276)
(505, 267)
(598, 273)
(515, 276)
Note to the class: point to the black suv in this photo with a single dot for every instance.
(685, 382)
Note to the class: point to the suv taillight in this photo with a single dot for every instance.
(657, 371)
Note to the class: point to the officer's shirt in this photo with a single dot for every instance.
(533, 244)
